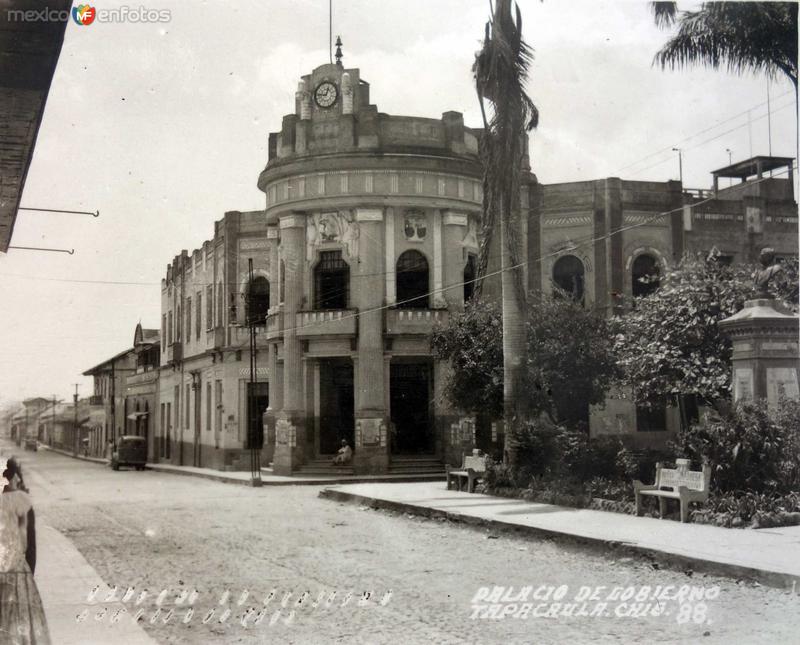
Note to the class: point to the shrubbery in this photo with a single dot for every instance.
(754, 453)
(753, 449)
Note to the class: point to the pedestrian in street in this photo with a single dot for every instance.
(22, 619)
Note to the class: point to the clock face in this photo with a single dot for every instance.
(326, 94)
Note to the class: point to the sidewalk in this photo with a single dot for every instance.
(65, 579)
(267, 477)
(770, 556)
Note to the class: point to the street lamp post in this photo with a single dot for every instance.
(680, 165)
(730, 163)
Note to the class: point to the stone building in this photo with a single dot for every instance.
(657, 222)
(369, 230)
(141, 388)
(207, 405)
(107, 404)
(374, 226)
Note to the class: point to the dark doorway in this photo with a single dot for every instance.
(331, 281)
(652, 417)
(644, 276)
(336, 405)
(198, 395)
(257, 403)
(410, 397)
(412, 281)
(258, 301)
(568, 276)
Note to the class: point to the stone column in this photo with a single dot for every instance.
(455, 228)
(275, 311)
(765, 351)
(371, 437)
(291, 420)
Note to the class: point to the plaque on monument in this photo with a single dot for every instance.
(743, 384)
(781, 382)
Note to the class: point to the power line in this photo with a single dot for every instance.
(714, 138)
(696, 134)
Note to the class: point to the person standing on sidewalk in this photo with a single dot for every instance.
(22, 619)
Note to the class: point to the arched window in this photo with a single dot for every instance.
(331, 281)
(412, 280)
(257, 301)
(645, 275)
(568, 276)
(470, 272)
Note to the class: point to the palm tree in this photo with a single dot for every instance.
(500, 70)
(745, 36)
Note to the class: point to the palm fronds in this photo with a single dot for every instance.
(500, 70)
(742, 36)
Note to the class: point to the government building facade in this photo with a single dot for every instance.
(369, 237)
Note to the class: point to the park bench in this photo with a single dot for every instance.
(473, 468)
(675, 483)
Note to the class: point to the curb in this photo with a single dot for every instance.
(299, 482)
(66, 453)
(671, 560)
(174, 470)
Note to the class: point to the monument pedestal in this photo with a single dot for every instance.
(766, 364)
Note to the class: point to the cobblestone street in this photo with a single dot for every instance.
(157, 531)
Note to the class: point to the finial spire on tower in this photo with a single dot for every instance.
(339, 51)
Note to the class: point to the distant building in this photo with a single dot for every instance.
(107, 404)
(653, 225)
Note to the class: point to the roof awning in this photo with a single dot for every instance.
(749, 167)
(136, 415)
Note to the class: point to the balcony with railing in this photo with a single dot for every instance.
(332, 322)
(414, 321)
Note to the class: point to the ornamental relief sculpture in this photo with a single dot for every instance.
(332, 227)
(415, 225)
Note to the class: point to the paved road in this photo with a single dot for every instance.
(155, 531)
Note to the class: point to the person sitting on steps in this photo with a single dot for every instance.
(344, 456)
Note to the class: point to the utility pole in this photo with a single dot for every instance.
(53, 429)
(252, 409)
(75, 434)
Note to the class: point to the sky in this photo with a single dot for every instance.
(163, 127)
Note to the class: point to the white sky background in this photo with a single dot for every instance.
(163, 128)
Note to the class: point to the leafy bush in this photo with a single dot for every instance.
(758, 510)
(754, 448)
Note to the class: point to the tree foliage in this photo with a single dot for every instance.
(570, 362)
(744, 36)
(754, 448)
(671, 342)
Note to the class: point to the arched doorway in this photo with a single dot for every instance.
(568, 276)
(645, 275)
(258, 301)
(412, 281)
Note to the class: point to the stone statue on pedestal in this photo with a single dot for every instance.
(766, 274)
